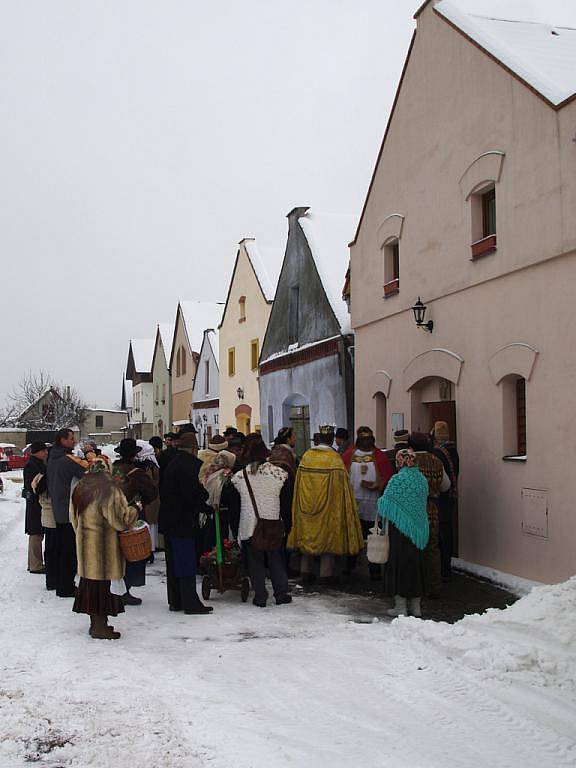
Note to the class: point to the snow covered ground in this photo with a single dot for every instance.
(300, 685)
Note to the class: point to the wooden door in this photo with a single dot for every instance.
(443, 410)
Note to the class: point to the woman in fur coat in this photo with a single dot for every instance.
(99, 510)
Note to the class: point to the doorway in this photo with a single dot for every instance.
(300, 423)
(443, 411)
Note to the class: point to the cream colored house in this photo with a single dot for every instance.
(472, 208)
(192, 319)
(161, 379)
(246, 313)
(104, 425)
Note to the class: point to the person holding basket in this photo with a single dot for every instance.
(99, 512)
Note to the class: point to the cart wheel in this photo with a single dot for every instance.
(206, 587)
(245, 589)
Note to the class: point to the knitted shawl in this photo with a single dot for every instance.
(404, 504)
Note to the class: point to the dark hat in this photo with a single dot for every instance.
(230, 431)
(217, 443)
(127, 448)
(343, 433)
(401, 436)
(156, 442)
(170, 436)
(186, 428)
(38, 446)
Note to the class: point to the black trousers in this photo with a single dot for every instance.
(182, 594)
(445, 536)
(66, 563)
(50, 557)
(257, 561)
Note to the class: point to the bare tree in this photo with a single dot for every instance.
(38, 402)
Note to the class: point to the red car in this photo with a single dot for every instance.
(11, 457)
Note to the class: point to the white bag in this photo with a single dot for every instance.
(378, 544)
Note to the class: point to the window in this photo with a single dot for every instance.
(178, 362)
(206, 376)
(514, 417)
(183, 360)
(483, 212)
(163, 392)
(489, 213)
(157, 397)
(293, 313)
(254, 354)
(99, 421)
(231, 361)
(271, 434)
(391, 268)
(242, 308)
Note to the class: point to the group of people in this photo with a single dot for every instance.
(321, 506)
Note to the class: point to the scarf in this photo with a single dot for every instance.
(146, 454)
(404, 504)
(219, 470)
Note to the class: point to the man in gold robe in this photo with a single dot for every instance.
(325, 521)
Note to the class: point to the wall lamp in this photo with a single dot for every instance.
(240, 393)
(419, 310)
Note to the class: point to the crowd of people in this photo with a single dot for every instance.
(306, 516)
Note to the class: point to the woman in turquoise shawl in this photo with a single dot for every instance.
(403, 505)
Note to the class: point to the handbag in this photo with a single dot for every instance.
(268, 534)
(378, 544)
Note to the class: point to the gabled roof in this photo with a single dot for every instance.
(328, 235)
(164, 334)
(266, 263)
(126, 401)
(49, 391)
(543, 56)
(197, 316)
(210, 340)
(142, 354)
(213, 338)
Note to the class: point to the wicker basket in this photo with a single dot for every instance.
(136, 544)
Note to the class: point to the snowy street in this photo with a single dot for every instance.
(299, 685)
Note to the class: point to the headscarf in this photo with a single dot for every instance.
(405, 458)
(218, 470)
(146, 454)
(404, 501)
(283, 456)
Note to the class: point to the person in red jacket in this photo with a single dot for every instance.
(370, 469)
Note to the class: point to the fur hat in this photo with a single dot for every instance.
(218, 443)
(188, 441)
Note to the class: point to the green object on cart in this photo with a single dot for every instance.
(219, 555)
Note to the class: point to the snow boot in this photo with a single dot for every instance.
(129, 599)
(415, 607)
(100, 629)
(400, 608)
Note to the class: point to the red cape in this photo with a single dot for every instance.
(383, 464)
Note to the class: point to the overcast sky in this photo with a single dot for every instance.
(141, 140)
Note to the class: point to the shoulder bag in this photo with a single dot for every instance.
(378, 544)
(268, 534)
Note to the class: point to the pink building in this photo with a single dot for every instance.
(472, 207)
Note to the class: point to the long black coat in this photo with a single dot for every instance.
(33, 467)
(183, 497)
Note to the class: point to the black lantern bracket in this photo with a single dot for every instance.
(419, 310)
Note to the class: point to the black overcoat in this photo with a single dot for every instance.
(33, 467)
(183, 498)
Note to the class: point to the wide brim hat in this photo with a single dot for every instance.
(127, 447)
(218, 443)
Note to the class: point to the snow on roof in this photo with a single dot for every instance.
(213, 337)
(166, 331)
(198, 317)
(142, 353)
(541, 54)
(266, 263)
(328, 235)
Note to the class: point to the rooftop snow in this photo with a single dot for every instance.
(328, 236)
(266, 263)
(142, 353)
(541, 54)
(166, 331)
(199, 316)
(213, 338)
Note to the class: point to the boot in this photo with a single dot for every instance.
(283, 599)
(400, 608)
(415, 607)
(129, 599)
(101, 631)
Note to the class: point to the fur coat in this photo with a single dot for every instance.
(97, 544)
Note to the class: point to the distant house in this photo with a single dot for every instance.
(206, 390)
(471, 207)
(161, 379)
(306, 376)
(126, 398)
(139, 372)
(104, 425)
(192, 319)
(244, 321)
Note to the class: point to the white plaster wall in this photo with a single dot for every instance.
(144, 412)
(320, 384)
